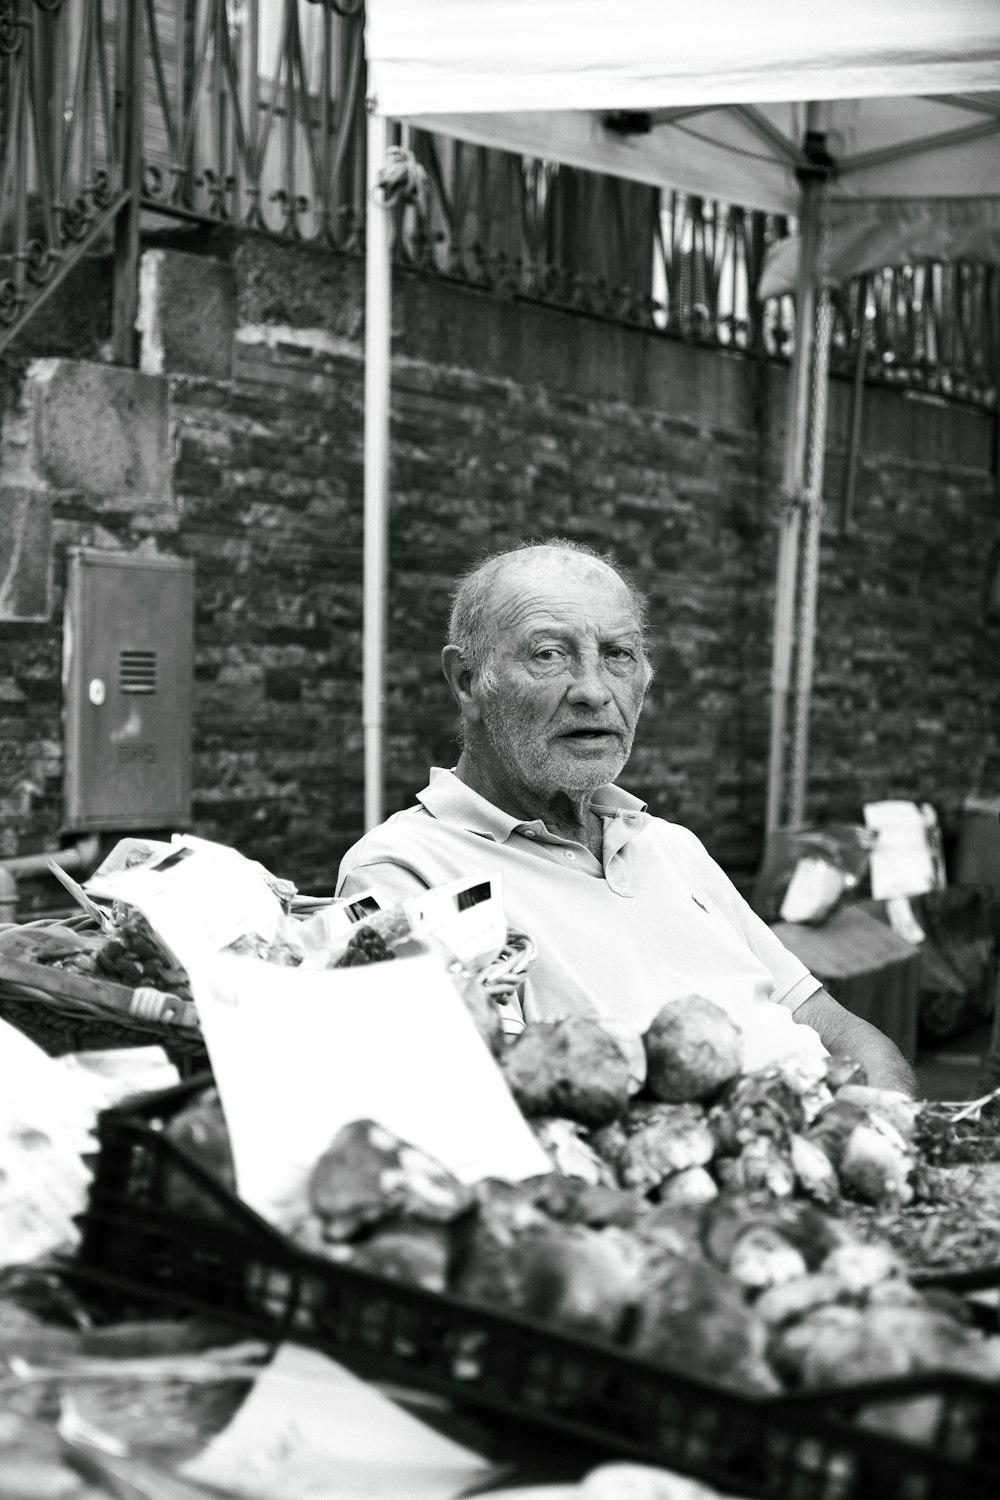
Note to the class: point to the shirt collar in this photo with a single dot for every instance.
(450, 800)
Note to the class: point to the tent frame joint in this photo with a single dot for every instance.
(816, 164)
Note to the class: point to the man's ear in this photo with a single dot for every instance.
(458, 675)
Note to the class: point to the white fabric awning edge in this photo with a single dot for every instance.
(473, 56)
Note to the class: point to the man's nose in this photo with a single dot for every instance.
(589, 687)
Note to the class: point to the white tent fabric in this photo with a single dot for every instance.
(909, 94)
(723, 98)
(499, 56)
(886, 148)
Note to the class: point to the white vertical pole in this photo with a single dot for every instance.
(378, 327)
(810, 561)
(793, 477)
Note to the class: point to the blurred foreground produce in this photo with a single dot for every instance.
(200, 1130)
(952, 1227)
(632, 1240)
(692, 1048)
(572, 1068)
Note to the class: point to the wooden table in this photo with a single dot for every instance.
(872, 971)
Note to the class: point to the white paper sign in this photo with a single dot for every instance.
(195, 895)
(902, 860)
(312, 1430)
(298, 1055)
(466, 917)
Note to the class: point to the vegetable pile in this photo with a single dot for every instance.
(129, 953)
(719, 1222)
(678, 1121)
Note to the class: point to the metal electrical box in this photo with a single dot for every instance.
(128, 675)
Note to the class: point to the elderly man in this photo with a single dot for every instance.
(547, 662)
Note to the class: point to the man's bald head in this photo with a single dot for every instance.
(482, 596)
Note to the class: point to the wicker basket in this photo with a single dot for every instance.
(66, 1012)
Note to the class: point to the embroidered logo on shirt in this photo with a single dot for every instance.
(694, 898)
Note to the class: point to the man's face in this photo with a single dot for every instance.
(561, 697)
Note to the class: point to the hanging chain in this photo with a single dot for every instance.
(813, 498)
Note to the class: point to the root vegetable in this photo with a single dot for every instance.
(415, 1253)
(813, 1170)
(368, 1175)
(898, 1109)
(629, 1039)
(564, 1145)
(200, 1130)
(763, 1258)
(841, 1070)
(694, 1319)
(759, 1104)
(627, 1481)
(833, 1345)
(572, 1068)
(693, 1047)
(832, 1128)
(859, 1267)
(787, 1301)
(761, 1166)
(572, 1201)
(562, 1273)
(609, 1142)
(813, 1233)
(693, 1185)
(876, 1165)
(840, 1345)
(671, 1139)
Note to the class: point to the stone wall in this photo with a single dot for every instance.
(509, 420)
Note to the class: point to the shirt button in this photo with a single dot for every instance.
(570, 854)
(529, 833)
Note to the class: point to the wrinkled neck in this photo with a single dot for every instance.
(565, 813)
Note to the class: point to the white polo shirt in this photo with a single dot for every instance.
(653, 919)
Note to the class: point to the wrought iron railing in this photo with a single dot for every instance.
(69, 148)
(117, 113)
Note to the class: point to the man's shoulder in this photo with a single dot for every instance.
(400, 830)
(674, 834)
(412, 846)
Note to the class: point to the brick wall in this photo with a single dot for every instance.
(513, 421)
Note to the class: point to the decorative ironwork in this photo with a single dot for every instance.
(252, 115)
(60, 179)
(12, 27)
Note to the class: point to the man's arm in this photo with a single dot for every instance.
(849, 1036)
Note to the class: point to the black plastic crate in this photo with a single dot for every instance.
(223, 1261)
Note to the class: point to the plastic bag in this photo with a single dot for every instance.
(827, 862)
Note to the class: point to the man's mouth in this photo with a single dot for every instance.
(592, 736)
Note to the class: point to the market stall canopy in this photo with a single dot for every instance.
(697, 97)
(896, 107)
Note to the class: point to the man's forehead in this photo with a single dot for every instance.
(551, 589)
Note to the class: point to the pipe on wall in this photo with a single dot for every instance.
(83, 855)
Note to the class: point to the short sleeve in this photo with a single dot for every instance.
(793, 982)
(391, 881)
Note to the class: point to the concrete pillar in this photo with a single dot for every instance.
(187, 315)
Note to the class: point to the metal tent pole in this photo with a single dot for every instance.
(793, 474)
(809, 589)
(378, 326)
(796, 481)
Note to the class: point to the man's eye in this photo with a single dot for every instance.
(620, 653)
(548, 653)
